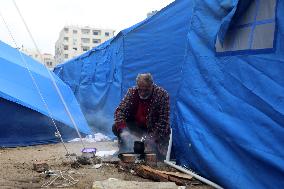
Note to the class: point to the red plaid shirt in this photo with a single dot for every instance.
(157, 112)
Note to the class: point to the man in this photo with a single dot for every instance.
(144, 112)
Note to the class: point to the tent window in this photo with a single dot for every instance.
(253, 30)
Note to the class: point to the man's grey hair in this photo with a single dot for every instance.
(146, 77)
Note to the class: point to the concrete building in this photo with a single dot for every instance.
(75, 40)
(49, 61)
(45, 58)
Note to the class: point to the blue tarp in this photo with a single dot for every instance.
(25, 119)
(227, 109)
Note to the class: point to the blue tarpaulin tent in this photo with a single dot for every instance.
(28, 101)
(222, 63)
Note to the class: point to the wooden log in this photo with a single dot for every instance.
(177, 174)
(111, 160)
(156, 175)
(148, 173)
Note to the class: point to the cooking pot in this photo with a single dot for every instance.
(139, 147)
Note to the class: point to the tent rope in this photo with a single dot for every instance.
(52, 78)
(34, 82)
(62, 176)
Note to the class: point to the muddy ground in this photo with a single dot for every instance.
(17, 166)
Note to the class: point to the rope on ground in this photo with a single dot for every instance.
(61, 180)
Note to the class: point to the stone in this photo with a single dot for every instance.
(121, 184)
(40, 166)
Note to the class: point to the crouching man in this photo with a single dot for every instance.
(144, 112)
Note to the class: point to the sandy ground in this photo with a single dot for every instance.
(17, 166)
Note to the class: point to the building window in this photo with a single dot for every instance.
(85, 31)
(49, 63)
(66, 30)
(75, 48)
(66, 39)
(107, 34)
(252, 30)
(74, 41)
(96, 41)
(96, 32)
(65, 47)
(65, 55)
(84, 48)
(85, 40)
(75, 31)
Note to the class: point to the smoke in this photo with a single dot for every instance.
(100, 122)
(128, 137)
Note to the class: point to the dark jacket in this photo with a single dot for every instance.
(158, 114)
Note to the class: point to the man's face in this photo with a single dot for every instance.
(144, 89)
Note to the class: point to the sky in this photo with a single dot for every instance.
(46, 18)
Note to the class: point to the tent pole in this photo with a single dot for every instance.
(172, 164)
(169, 147)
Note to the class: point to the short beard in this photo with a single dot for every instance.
(145, 97)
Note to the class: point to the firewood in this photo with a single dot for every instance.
(156, 175)
(146, 172)
(177, 174)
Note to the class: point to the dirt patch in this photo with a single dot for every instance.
(17, 166)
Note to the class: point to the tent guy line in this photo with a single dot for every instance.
(53, 81)
(37, 88)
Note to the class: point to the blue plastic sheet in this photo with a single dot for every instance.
(227, 112)
(26, 120)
